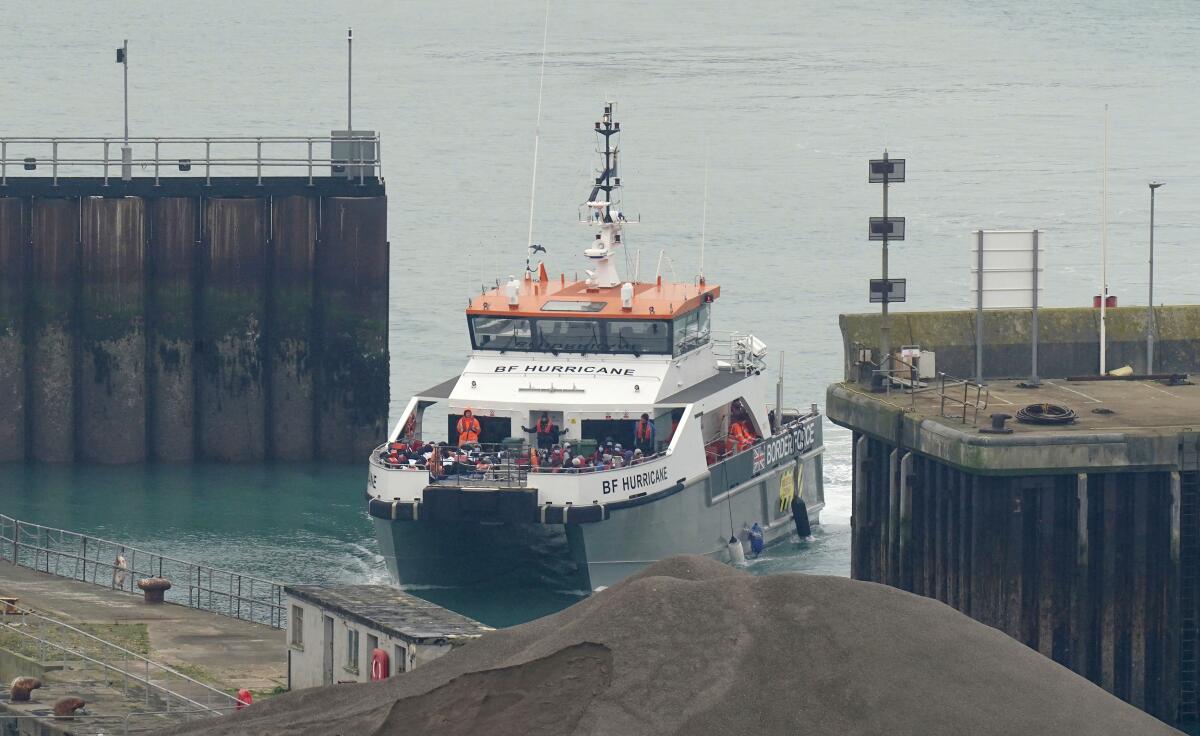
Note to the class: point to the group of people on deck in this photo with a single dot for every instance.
(469, 457)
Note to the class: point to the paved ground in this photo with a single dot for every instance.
(1134, 405)
(224, 651)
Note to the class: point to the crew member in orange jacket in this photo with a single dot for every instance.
(468, 428)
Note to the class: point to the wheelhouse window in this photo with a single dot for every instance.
(692, 330)
(501, 333)
(572, 335)
(639, 336)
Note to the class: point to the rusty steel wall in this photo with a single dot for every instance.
(229, 379)
(14, 224)
(171, 327)
(52, 330)
(180, 325)
(352, 314)
(111, 416)
(1082, 568)
(290, 344)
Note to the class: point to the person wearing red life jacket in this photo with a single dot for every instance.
(547, 432)
(643, 434)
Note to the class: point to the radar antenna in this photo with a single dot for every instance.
(603, 206)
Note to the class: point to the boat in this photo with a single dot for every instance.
(678, 450)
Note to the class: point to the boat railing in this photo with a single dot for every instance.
(741, 351)
(507, 465)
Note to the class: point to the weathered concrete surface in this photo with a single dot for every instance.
(172, 256)
(229, 652)
(166, 323)
(1068, 342)
(352, 383)
(111, 333)
(1141, 433)
(55, 236)
(294, 241)
(230, 396)
(14, 221)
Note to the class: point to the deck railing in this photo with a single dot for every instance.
(352, 157)
(97, 561)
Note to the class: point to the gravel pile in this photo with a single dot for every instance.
(691, 646)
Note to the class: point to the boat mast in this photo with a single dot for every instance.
(603, 208)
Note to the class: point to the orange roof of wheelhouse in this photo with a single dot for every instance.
(660, 300)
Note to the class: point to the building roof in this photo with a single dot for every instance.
(550, 299)
(389, 610)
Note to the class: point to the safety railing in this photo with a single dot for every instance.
(740, 351)
(505, 465)
(137, 677)
(975, 398)
(119, 566)
(351, 157)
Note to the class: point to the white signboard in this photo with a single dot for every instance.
(1008, 268)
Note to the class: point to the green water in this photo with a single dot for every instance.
(290, 522)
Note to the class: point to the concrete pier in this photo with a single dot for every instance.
(112, 335)
(182, 319)
(14, 226)
(1080, 540)
(53, 365)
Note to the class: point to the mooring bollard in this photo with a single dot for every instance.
(154, 588)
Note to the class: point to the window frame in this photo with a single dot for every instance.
(353, 644)
(607, 326)
(297, 627)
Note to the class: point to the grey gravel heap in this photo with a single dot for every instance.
(691, 646)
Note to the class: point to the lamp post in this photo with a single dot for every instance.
(1150, 302)
(126, 151)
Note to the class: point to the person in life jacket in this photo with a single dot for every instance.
(468, 428)
(643, 434)
(547, 432)
(742, 435)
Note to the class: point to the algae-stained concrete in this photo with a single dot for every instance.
(54, 255)
(1068, 343)
(171, 327)
(184, 319)
(111, 334)
(352, 375)
(294, 242)
(14, 221)
(230, 377)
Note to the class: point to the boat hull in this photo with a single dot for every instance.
(699, 519)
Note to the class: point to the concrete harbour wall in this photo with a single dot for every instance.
(184, 321)
(1068, 342)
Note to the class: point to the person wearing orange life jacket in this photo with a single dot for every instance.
(643, 434)
(742, 436)
(468, 429)
(547, 432)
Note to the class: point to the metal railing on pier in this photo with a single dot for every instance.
(119, 566)
(139, 678)
(974, 399)
(350, 157)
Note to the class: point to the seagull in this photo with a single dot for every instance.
(535, 248)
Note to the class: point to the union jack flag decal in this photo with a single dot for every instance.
(760, 460)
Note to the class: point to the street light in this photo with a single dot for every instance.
(1150, 303)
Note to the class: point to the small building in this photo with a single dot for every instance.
(334, 632)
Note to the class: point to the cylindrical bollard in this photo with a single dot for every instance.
(154, 588)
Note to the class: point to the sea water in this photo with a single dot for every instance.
(997, 107)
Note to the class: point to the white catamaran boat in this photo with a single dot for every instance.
(599, 425)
